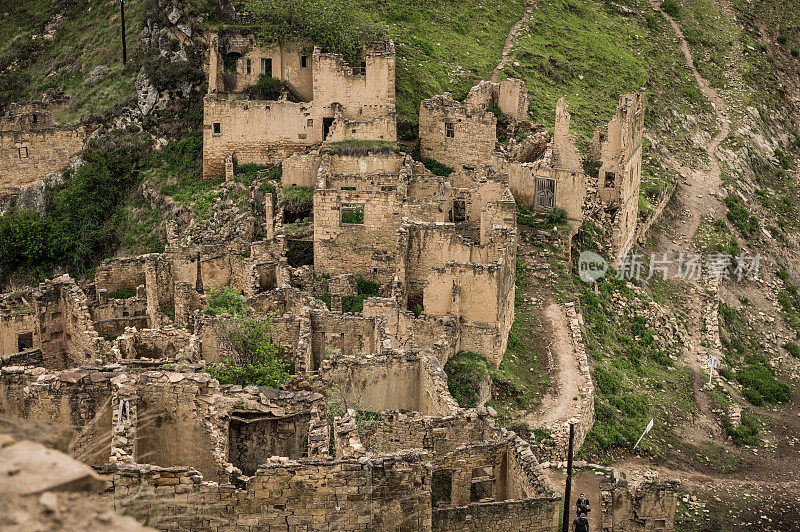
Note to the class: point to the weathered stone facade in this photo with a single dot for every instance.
(336, 101)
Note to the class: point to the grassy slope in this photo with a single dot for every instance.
(441, 45)
(88, 35)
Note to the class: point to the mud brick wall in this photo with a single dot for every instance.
(300, 170)
(640, 506)
(378, 128)
(79, 400)
(474, 132)
(263, 132)
(366, 165)
(389, 492)
(343, 334)
(362, 96)
(366, 250)
(48, 151)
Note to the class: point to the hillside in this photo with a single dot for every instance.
(720, 174)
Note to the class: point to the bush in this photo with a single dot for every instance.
(744, 434)
(299, 199)
(352, 216)
(353, 304)
(437, 168)
(254, 360)
(466, 372)
(760, 379)
(671, 8)
(366, 287)
(607, 382)
(122, 293)
(741, 218)
(225, 301)
(269, 88)
(417, 309)
(792, 348)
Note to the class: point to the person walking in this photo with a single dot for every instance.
(582, 505)
(580, 524)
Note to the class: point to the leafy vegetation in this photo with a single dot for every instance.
(122, 293)
(466, 372)
(268, 88)
(437, 168)
(225, 300)
(298, 199)
(254, 360)
(744, 351)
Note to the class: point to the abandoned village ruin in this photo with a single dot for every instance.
(127, 371)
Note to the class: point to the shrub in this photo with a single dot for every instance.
(298, 199)
(269, 88)
(300, 253)
(792, 348)
(225, 301)
(761, 379)
(437, 168)
(417, 309)
(254, 360)
(671, 8)
(352, 216)
(652, 21)
(353, 304)
(366, 287)
(122, 293)
(744, 434)
(466, 372)
(607, 382)
(739, 215)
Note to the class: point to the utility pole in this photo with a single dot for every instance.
(122, 12)
(568, 487)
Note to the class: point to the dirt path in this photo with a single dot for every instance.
(697, 198)
(557, 403)
(512, 33)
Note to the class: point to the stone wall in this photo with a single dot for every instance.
(388, 492)
(617, 149)
(366, 250)
(454, 134)
(534, 515)
(645, 505)
(27, 156)
(300, 170)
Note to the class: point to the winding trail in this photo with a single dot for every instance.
(512, 34)
(697, 198)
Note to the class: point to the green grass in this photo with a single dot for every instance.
(465, 373)
(590, 54)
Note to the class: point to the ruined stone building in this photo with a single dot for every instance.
(615, 156)
(33, 146)
(325, 99)
(121, 357)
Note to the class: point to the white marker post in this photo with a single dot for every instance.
(649, 426)
(713, 362)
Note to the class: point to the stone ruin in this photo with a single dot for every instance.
(121, 357)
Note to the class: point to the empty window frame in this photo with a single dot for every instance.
(303, 61)
(22, 152)
(459, 211)
(441, 487)
(348, 188)
(266, 66)
(360, 69)
(217, 128)
(482, 485)
(610, 180)
(249, 66)
(545, 192)
(310, 122)
(352, 214)
(449, 130)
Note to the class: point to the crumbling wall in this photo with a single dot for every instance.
(121, 273)
(367, 249)
(640, 506)
(300, 170)
(79, 400)
(263, 132)
(362, 94)
(616, 150)
(18, 330)
(65, 325)
(27, 156)
(454, 134)
(389, 492)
